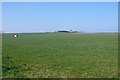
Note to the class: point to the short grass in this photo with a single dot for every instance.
(0, 55)
(60, 55)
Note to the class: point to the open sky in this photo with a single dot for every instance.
(54, 16)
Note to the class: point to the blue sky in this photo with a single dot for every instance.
(53, 16)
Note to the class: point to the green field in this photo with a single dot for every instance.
(60, 55)
(0, 55)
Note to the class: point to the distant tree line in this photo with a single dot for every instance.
(64, 31)
(68, 31)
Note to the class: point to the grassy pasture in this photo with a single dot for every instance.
(60, 55)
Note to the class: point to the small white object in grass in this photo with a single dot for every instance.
(15, 35)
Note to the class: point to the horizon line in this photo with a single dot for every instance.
(63, 32)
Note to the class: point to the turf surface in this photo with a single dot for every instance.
(60, 55)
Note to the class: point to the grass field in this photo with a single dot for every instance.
(60, 55)
(0, 55)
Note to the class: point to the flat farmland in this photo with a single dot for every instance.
(60, 55)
